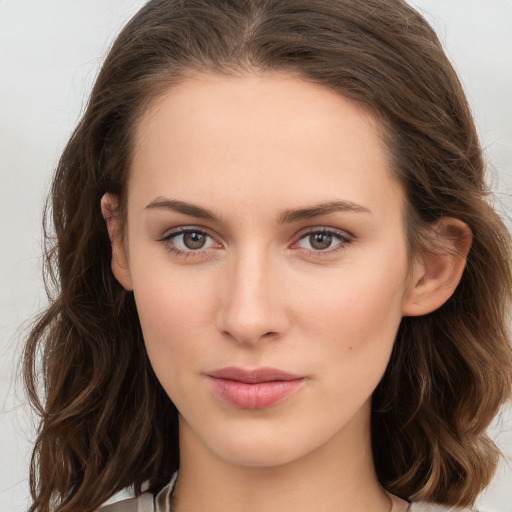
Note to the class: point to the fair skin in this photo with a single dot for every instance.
(293, 257)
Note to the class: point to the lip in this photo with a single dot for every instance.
(257, 388)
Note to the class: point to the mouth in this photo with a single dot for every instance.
(254, 389)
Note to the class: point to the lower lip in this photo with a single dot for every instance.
(259, 395)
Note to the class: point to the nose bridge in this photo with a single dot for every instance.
(250, 305)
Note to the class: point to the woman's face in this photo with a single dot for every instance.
(265, 247)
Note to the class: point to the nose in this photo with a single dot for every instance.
(252, 305)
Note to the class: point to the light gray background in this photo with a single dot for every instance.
(50, 51)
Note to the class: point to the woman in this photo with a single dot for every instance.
(278, 270)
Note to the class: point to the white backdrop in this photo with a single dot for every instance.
(50, 51)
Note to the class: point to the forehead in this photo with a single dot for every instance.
(255, 134)
(251, 102)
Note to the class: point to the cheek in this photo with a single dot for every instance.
(170, 300)
(357, 301)
(357, 319)
(174, 314)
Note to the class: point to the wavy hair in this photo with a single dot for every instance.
(106, 423)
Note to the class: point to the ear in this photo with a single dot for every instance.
(438, 270)
(120, 266)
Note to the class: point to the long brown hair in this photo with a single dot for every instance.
(106, 422)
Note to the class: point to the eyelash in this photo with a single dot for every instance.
(168, 241)
(341, 237)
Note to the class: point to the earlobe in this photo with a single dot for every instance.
(438, 270)
(120, 266)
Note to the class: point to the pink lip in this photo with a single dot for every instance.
(253, 389)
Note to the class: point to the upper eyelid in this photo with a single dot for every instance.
(168, 238)
(186, 229)
(304, 232)
(344, 239)
(301, 232)
(323, 229)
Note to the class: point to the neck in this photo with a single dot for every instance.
(338, 476)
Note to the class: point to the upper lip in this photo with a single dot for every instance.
(253, 376)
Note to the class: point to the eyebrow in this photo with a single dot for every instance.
(321, 209)
(182, 207)
(286, 217)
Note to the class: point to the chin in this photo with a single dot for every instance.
(253, 454)
(263, 446)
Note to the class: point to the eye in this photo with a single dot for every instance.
(323, 240)
(193, 239)
(188, 240)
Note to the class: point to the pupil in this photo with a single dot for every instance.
(320, 241)
(194, 240)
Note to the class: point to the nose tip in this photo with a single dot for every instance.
(248, 320)
(252, 308)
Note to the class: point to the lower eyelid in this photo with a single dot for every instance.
(182, 231)
(342, 240)
(168, 241)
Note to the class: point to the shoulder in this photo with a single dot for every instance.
(144, 503)
(421, 506)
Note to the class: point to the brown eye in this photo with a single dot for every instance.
(194, 240)
(189, 241)
(320, 241)
(325, 241)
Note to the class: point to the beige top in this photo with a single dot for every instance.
(162, 503)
